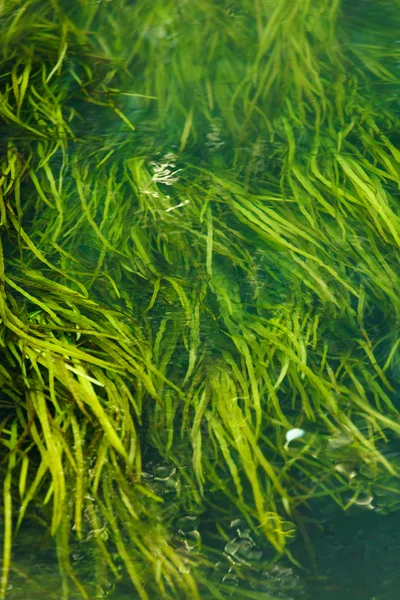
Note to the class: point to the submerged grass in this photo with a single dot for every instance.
(199, 242)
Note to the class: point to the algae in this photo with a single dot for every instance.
(199, 249)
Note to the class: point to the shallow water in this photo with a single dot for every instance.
(336, 554)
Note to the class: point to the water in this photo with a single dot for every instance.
(200, 231)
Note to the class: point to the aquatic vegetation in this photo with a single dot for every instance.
(199, 245)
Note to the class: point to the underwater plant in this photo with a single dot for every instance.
(199, 240)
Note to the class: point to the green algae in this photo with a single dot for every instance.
(199, 245)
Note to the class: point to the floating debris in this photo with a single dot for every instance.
(293, 434)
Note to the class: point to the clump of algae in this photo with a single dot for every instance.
(198, 252)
